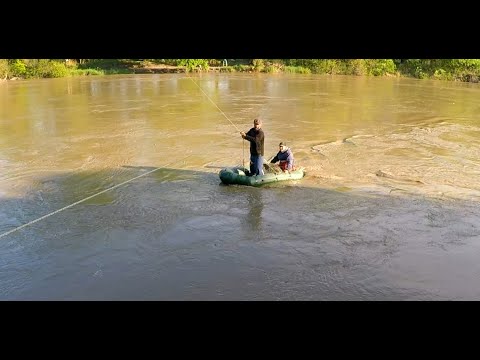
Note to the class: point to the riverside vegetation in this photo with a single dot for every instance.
(466, 70)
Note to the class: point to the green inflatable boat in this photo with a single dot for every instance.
(239, 175)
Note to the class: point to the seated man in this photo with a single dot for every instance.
(285, 158)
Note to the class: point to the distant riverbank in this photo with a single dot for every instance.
(465, 70)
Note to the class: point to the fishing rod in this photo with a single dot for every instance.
(208, 97)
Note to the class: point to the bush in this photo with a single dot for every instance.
(297, 70)
(355, 67)
(103, 64)
(18, 68)
(227, 69)
(4, 69)
(58, 69)
(440, 74)
(44, 68)
(192, 64)
(243, 68)
(380, 67)
(258, 65)
(326, 66)
(85, 72)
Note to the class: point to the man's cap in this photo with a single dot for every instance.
(283, 143)
(257, 121)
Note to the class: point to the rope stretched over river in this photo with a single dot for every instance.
(87, 198)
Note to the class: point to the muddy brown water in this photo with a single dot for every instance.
(388, 209)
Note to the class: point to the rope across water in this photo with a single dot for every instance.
(85, 199)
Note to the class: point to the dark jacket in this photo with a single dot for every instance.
(286, 156)
(256, 138)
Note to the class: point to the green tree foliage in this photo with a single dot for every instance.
(258, 65)
(47, 69)
(17, 67)
(380, 67)
(355, 67)
(192, 64)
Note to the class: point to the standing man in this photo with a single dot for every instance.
(256, 137)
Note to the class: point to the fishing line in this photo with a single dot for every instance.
(87, 198)
(208, 97)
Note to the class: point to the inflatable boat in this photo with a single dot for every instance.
(241, 176)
